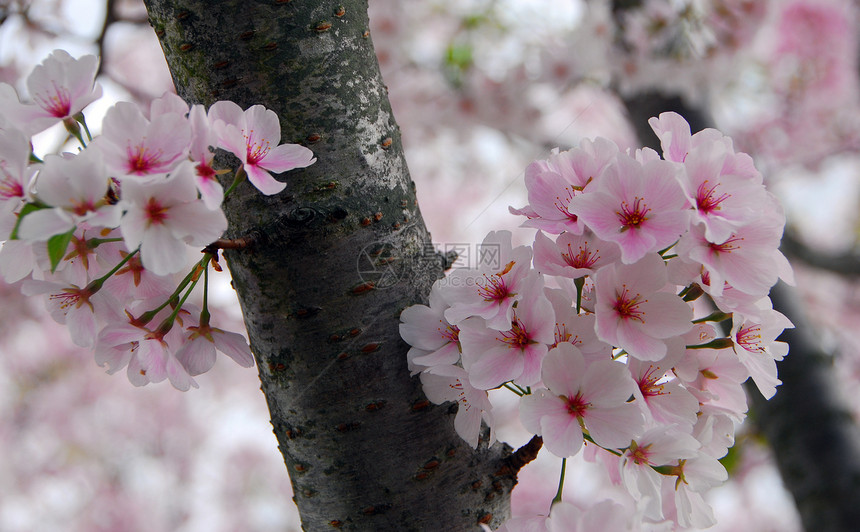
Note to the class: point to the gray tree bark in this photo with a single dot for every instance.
(332, 262)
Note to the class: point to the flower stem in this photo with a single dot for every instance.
(560, 482)
(240, 176)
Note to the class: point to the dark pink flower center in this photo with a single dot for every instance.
(141, 160)
(750, 339)
(631, 217)
(648, 383)
(576, 405)
(706, 198)
(563, 202)
(517, 337)
(728, 246)
(583, 258)
(628, 307)
(58, 103)
(156, 213)
(494, 287)
(256, 150)
(11, 188)
(451, 333)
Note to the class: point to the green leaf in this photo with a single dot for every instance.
(57, 246)
(25, 210)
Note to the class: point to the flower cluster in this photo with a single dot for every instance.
(102, 232)
(601, 328)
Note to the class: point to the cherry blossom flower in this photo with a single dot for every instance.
(135, 147)
(639, 207)
(675, 137)
(722, 201)
(254, 136)
(490, 291)
(749, 259)
(573, 256)
(659, 446)
(197, 354)
(146, 354)
(634, 313)
(494, 357)
(682, 495)
(552, 184)
(758, 350)
(76, 187)
(434, 341)
(451, 383)
(576, 329)
(581, 396)
(82, 310)
(60, 87)
(164, 218)
(202, 137)
(666, 400)
(14, 172)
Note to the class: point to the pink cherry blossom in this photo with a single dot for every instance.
(60, 88)
(576, 329)
(658, 446)
(490, 291)
(639, 207)
(573, 256)
(164, 218)
(675, 137)
(434, 341)
(76, 186)
(135, 147)
(254, 136)
(749, 259)
(197, 354)
(666, 401)
(451, 383)
(682, 490)
(554, 182)
(722, 201)
(579, 394)
(83, 310)
(147, 353)
(202, 138)
(758, 350)
(494, 357)
(14, 172)
(633, 311)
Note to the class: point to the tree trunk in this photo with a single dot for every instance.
(333, 261)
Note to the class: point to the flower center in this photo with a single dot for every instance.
(576, 405)
(156, 213)
(631, 217)
(58, 103)
(706, 199)
(628, 307)
(750, 339)
(517, 337)
(583, 258)
(142, 160)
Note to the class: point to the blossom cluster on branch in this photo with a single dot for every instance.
(106, 233)
(605, 326)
